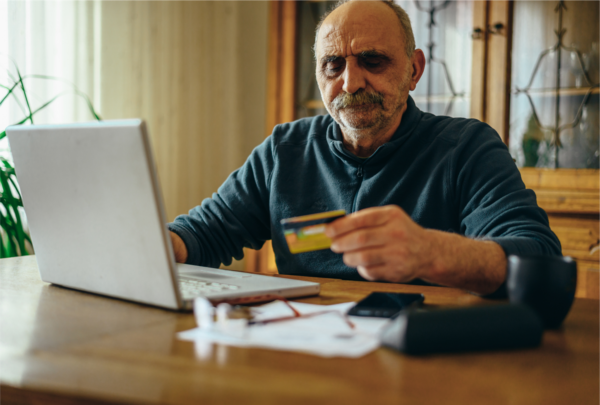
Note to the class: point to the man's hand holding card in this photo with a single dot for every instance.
(383, 243)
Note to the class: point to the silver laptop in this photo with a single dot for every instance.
(97, 221)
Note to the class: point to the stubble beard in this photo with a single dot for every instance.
(367, 121)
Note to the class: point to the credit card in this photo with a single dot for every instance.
(306, 233)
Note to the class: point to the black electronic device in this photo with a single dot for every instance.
(545, 283)
(385, 305)
(489, 327)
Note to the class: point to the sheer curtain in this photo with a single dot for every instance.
(54, 39)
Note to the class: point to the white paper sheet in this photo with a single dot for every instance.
(326, 335)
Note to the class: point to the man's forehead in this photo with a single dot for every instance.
(354, 28)
(350, 42)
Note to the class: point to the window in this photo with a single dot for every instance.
(55, 48)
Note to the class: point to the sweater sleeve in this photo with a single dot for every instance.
(492, 199)
(493, 202)
(236, 216)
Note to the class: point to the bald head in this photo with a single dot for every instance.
(345, 8)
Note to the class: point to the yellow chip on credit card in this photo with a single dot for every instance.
(306, 233)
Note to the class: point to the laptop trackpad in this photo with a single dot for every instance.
(188, 270)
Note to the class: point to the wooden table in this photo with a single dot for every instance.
(62, 346)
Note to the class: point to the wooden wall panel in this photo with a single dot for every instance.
(498, 65)
(182, 67)
(282, 63)
(571, 199)
(568, 201)
(197, 73)
(587, 279)
(281, 95)
(578, 235)
(563, 179)
(479, 62)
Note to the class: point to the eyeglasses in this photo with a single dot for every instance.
(299, 315)
(230, 318)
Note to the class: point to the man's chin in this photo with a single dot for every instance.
(359, 120)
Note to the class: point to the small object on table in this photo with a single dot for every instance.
(385, 305)
(544, 283)
(490, 327)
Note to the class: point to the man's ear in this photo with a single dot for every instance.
(418, 65)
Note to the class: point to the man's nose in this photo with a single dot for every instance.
(354, 78)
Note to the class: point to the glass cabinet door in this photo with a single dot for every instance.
(554, 84)
(443, 30)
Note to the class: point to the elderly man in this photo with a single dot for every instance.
(431, 198)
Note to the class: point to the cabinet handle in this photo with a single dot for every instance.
(477, 33)
(496, 29)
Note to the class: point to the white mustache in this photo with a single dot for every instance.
(361, 97)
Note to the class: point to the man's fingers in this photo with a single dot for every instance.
(364, 273)
(366, 218)
(384, 272)
(359, 239)
(373, 273)
(364, 257)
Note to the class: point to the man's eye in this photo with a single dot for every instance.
(334, 66)
(371, 62)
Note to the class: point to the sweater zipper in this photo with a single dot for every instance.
(360, 175)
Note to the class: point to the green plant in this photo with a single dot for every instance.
(12, 227)
(532, 138)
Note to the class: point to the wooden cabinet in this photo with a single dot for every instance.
(569, 196)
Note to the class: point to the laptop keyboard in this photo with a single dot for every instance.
(190, 288)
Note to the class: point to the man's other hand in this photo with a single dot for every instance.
(383, 243)
(179, 248)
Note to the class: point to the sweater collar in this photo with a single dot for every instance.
(409, 121)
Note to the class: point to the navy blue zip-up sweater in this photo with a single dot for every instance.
(449, 174)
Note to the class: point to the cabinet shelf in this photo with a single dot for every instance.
(568, 91)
